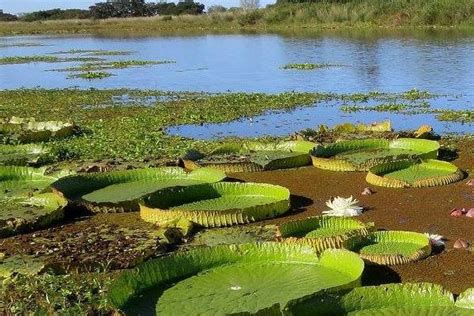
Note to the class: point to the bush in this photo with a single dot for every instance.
(250, 17)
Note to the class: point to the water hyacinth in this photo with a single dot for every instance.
(340, 206)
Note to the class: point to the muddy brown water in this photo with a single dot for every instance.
(414, 209)
(421, 210)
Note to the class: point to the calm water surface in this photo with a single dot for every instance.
(251, 63)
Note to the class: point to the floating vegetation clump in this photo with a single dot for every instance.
(360, 155)
(44, 59)
(389, 299)
(21, 207)
(253, 156)
(121, 64)
(395, 247)
(91, 75)
(307, 66)
(324, 232)
(216, 204)
(120, 191)
(21, 155)
(28, 130)
(456, 116)
(389, 107)
(205, 280)
(414, 173)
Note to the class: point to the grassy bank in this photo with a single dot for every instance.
(276, 18)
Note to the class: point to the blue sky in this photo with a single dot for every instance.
(18, 6)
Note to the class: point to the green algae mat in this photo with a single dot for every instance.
(323, 232)
(360, 155)
(120, 191)
(409, 173)
(23, 204)
(245, 279)
(395, 247)
(253, 156)
(216, 204)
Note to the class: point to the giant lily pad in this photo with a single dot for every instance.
(409, 173)
(323, 232)
(389, 299)
(235, 279)
(27, 130)
(217, 204)
(119, 191)
(360, 155)
(22, 208)
(254, 156)
(395, 247)
(21, 155)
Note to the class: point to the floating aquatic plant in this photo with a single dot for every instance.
(27, 130)
(253, 156)
(346, 207)
(90, 75)
(120, 191)
(21, 155)
(395, 247)
(216, 204)
(414, 173)
(360, 155)
(388, 299)
(21, 207)
(308, 66)
(205, 280)
(324, 232)
(436, 240)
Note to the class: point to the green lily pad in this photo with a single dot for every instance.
(28, 130)
(230, 279)
(253, 156)
(388, 299)
(409, 173)
(395, 247)
(323, 232)
(23, 205)
(120, 191)
(217, 204)
(360, 155)
(21, 155)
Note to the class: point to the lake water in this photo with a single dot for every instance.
(251, 63)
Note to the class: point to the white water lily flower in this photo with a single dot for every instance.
(340, 206)
(436, 240)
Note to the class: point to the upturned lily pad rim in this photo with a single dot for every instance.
(164, 206)
(292, 231)
(376, 174)
(162, 272)
(394, 236)
(323, 155)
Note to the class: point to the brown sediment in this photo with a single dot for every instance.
(425, 210)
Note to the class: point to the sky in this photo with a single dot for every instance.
(19, 6)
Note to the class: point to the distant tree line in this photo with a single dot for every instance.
(112, 9)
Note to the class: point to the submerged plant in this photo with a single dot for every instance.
(346, 207)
